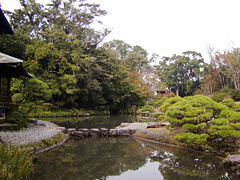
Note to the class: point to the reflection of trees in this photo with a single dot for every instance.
(100, 121)
(182, 164)
(90, 159)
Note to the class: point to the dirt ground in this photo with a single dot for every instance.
(161, 134)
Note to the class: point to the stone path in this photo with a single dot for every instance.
(33, 133)
(135, 125)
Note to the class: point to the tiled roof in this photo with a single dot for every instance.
(9, 59)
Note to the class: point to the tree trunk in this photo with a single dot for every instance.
(177, 91)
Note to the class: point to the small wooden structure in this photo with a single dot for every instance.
(10, 67)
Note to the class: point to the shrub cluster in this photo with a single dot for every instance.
(148, 108)
(209, 125)
(20, 118)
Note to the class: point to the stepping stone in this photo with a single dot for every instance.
(104, 131)
(124, 132)
(94, 132)
(113, 132)
(85, 131)
(62, 129)
(71, 131)
(78, 133)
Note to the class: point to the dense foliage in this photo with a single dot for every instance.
(61, 50)
(207, 124)
(182, 73)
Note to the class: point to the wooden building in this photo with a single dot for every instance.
(10, 67)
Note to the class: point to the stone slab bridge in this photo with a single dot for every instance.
(124, 130)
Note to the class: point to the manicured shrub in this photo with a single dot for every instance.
(236, 108)
(20, 118)
(236, 94)
(219, 96)
(37, 90)
(193, 110)
(191, 140)
(169, 102)
(228, 102)
(17, 98)
(15, 164)
(148, 108)
(159, 102)
(201, 115)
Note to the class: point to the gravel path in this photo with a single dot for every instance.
(33, 133)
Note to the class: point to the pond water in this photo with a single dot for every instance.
(125, 158)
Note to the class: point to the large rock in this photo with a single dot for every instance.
(113, 132)
(86, 114)
(33, 120)
(124, 132)
(132, 131)
(233, 159)
(154, 125)
(62, 129)
(124, 124)
(104, 131)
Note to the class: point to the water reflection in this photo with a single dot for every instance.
(101, 121)
(126, 158)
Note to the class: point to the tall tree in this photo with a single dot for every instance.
(181, 73)
(228, 64)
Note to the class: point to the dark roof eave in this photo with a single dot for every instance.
(5, 28)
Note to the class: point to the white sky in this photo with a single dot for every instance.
(168, 27)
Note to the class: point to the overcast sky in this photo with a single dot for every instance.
(168, 27)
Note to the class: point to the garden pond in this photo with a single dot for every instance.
(123, 158)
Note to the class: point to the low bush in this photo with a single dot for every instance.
(20, 118)
(148, 108)
(228, 102)
(219, 96)
(236, 94)
(159, 102)
(191, 140)
(15, 164)
(169, 102)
